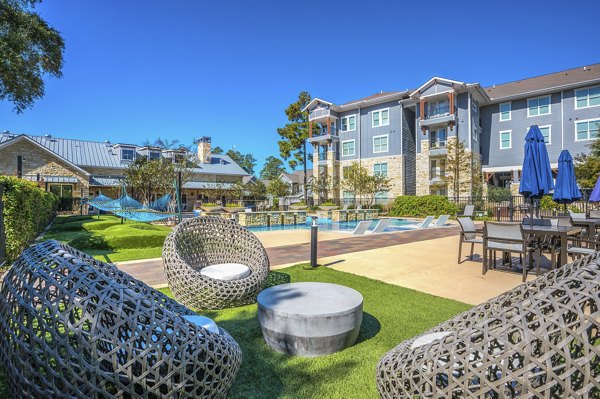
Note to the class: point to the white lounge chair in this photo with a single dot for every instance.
(362, 227)
(380, 226)
(425, 223)
(441, 222)
(345, 208)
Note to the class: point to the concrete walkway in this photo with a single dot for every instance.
(330, 244)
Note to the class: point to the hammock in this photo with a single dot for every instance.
(161, 204)
(129, 208)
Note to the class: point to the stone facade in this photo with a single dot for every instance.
(38, 161)
(272, 218)
(316, 174)
(353, 215)
(422, 169)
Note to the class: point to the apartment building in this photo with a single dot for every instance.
(404, 135)
(80, 168)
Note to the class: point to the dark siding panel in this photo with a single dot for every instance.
(409, 149)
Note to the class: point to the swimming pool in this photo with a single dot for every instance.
(328, 225)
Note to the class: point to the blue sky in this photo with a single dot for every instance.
(184, 69)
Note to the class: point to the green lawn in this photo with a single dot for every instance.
(107, 239)
(391, 315)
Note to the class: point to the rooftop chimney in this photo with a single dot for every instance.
(204, 149)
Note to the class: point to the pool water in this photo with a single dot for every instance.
(328, 225)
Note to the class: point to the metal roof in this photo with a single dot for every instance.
(104, 181)
(85, 153)
(204, 185)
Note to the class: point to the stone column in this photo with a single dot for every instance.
(316, 176)
(422, 169)
(332, 173)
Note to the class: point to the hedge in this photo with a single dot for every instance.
(27, 211)
(413, 206)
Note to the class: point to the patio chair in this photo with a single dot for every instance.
(566, 221)
(538, 340)
(468, 234)
(507, 238)
(381, 226)
(213, 263)
(72, 326)
(595, 214)
(362, 227)
(469, 210)
(576, 215)
(345, 208)
(441, 222)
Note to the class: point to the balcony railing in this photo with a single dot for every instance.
(436, 144)
(435, 112)
(323, 132)
(322, 156)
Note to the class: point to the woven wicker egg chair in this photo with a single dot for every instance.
(74, 327)
(210, 240)
(539, 340)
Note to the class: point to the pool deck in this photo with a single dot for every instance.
(424, 260)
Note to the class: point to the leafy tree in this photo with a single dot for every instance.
(29, 49)
(587, 166)
(277, 188)
(272, 168)
(150, 177)
(217, 150)
(258, 190)
(165, 144)
(376, 183)
(459, 164)
(323, 186)
(237, 192)
(356, 178)
(246, 161)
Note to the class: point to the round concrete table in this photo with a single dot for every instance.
(310, 319)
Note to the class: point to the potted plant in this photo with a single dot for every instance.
(211, 207)
(298, 206)
(233, 208)
(328, 206)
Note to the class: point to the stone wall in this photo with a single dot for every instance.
(38, 161)
(395, 172)
(422, 169)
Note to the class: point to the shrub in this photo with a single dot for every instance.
(233, 206)
(412, 206)
(27, 211)
(548, 204)
(498, 194)
(209, 204)
(328, 203)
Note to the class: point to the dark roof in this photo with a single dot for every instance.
(85, 153)
(373, 96)
(297, 176)
(551, 80)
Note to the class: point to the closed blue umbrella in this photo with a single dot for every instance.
(595, 195)
(536, 175)
(566, 190)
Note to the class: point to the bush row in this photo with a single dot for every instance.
(413, 206)
(27, 211)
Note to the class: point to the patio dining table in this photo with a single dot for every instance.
(563, 232)
(589, 224)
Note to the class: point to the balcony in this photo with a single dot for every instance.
(437, 114)
(323, 137)
(322, 156)
(437, 147)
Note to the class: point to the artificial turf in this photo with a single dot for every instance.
(107, 239)
(391, 315)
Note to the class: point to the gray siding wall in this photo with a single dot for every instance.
(409, 150)
(364, 137)
(435, 88)
(562, 129)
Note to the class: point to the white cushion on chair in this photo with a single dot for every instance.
(226, 271)
(429, 338)
(203, 322)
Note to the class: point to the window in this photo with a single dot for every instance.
(381, 197)
(587, 130)
(154, 155)
(505, 139)
(505, 109)
(587, 98)
(127, 154)
(380, 143)
(348, 123)
(538, 106)
(347, 148)
(546, 132)
(381, 117)
(380, 169)
(62, 190)
(437, 168)
(437, 138)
